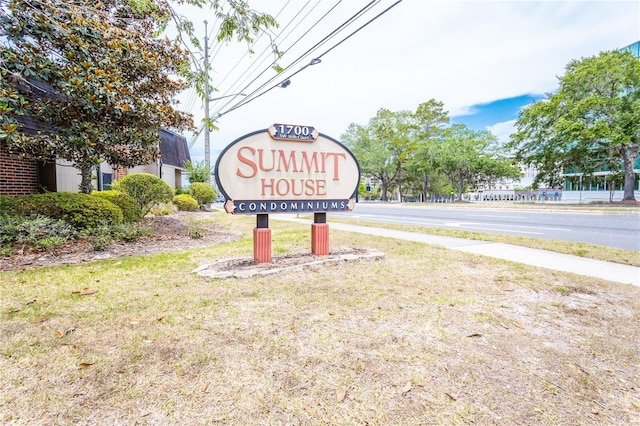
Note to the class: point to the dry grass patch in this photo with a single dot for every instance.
(424, 336)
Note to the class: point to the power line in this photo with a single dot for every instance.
(237, 83)
(254, 94)
(312, 62)
(286, 50)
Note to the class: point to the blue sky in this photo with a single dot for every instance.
(497, 116)
(482, 116)
(483, 59)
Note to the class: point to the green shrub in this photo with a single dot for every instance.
(197, 172)
(36, 231)
(180, 191)
(82, 211)
(130, 211)
(163, 209)
(131, 232)
(102, 236)
(185, 202)
(6, 203)
(146, 189)
(202, 192)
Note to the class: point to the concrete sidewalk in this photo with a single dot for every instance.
(609, 271)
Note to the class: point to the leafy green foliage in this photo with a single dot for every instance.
(185, 202)
(418, 152)
(467, 157)
(202, 193)
(592, 122)
(197, 172)
(100, 237)
(386, 146)
(36, 231)
(82, 211)
(87, 71)
(145, 189)
(98, 77)
(130, 210)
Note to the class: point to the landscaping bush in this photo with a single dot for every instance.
(102, 236)
(82, 211)
(180, 191)
(202, 192)
(146, 190)
(185, 202)
(6, 203)
(36, 231)
(163, 209)
(130, 211)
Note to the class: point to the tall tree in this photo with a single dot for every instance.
(374, 155)
(470, 157)
(395, 130)
(592, 121)
(97, 77)
(383, 147)
(431, 119)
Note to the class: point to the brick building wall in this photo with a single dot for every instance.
(18, 174)
(120, 173)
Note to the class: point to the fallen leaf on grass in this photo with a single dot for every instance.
(85, 364)
(61, 334)
(39, 320)
(406, 388)
(205, 387)
(450, 396)
(160, 319)
(85, 291)
(518, 324)
(475, 335)
(341, 395)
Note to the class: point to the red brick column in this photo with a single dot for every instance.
(320, 235)
(262, 240)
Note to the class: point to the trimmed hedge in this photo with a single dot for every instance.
(202, 192)
(185, 202)
(130, 211)
(146, 189)
(82, 211)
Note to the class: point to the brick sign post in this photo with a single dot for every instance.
(287, 169)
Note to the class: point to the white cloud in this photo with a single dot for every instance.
(503, 131)
(462, 53)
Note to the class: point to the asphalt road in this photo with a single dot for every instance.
(619, 229)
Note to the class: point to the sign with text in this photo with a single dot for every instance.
(287, 169)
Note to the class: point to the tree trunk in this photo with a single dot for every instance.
(425, 186)
(384, 186)
(628, 157)
(460, 185)
(85, 184)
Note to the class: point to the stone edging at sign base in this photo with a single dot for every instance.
(244, 267)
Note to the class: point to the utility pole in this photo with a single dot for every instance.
(207, 147)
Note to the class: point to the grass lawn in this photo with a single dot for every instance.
(424, 336)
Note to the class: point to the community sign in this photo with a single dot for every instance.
(287, 169)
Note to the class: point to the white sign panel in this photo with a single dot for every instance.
(287, 168)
